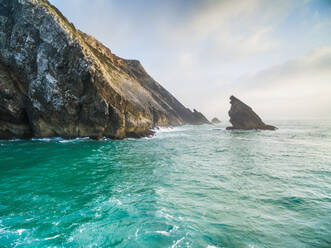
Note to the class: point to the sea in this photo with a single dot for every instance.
(188, 186)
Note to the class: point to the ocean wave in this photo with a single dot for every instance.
(167, 129)
(47, 139)
(60, 139)
(74, 140)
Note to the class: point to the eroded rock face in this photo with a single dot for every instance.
(215, 121)
(58, 81)
(243, 117)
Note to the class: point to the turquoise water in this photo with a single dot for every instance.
(192, 186)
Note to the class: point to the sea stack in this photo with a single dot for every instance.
(243, 117)
(215, 121)
(58, 81)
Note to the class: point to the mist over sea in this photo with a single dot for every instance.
(189, 186)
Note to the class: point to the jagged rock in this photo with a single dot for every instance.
(215, 121)
(58, 81)
(243, 117)
(199, 118)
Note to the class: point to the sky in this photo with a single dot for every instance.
(273, 55)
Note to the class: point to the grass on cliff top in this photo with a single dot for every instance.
(57, 12)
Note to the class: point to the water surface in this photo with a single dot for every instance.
(192, 186)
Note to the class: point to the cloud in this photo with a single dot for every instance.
(229, 29)
(313, 68)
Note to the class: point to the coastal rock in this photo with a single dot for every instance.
(243, 117)
(215, 121)
(199, 118)
(58, 81)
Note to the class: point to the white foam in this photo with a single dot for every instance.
(177, 242)
(163, 233)
(164, 129)
(171, 129)
(74, 140)
(47, 139)
(54, 237)
(20, 231)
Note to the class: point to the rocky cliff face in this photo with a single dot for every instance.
(57, 81)
(243, 117)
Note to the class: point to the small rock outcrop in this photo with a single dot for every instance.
(199, 118)
(243, 117)
(58, 81)
(215, 121)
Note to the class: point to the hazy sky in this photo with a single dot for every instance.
(273, 55)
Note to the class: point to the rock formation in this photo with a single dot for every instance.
(243, 117)
(199, 118)
(215, 121)
(58, 81)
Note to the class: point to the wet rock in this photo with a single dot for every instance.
(58, 81)
(243, 117)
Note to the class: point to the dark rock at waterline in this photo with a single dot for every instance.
(58, 81)
(215, 121)
(243, 117)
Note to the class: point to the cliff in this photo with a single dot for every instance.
(58, 81)
(243, 117)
